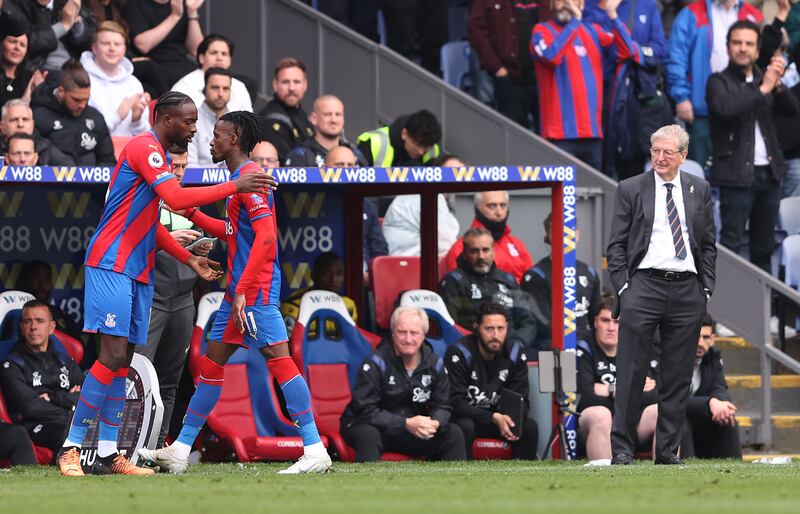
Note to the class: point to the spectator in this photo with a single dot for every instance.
(491, 213)
(65, 117)
(172, 312)
(286, 122)
(217, 93)
(419, 24)
(401, 224)
(711, 430)
(214, 51)
(785, 124)
(107, 10)
(327, 274)
(793, 25)
(409, 140)
(18, 79)
(17, 118)
(36, 278)
(265, 155)
(748, 165)
(597, 377)
(401, 399)
(21, 151)
(12, 22)
(373, 242)
(537, 282)
(568, 60)
(59, 30)
(695, 51)
(328, 121)
(40, 385)
(482, 368)
(15, 445)
(165, 32)
(359, 15)
(116, 93)
(499, 32)
(636, 105)
(478, 280)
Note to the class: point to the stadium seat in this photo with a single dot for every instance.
(442, 269)
(455, 63)
(693, 168)
(789, 213)
(248, 414)
(44, 456)
(151, 108)
(791, 260)
(11, 303)
(68, 344)
(119, 143)
(443, 329)
(389, 276)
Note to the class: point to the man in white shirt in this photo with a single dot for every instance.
(661, 259)
(115, 92)
(216, 98)
(215, 51)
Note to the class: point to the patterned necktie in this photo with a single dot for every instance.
(675, 224)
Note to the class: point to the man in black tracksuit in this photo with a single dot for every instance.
(400, 402)
(537, 282)
(40, 385)
(477, 280)
(66, 119)
(286, 123)
(481, 367)
(711, 430)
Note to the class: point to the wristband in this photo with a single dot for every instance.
(193, 18)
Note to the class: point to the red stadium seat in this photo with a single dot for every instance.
(389, 276)
(487, 449)
(152, 110)
(119, 144)
(72, 346)
(44, 455)
(442, 268)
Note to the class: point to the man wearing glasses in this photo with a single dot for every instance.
(661, 258)
(711, 430)
(265, 155)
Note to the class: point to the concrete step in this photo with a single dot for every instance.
(785, 430)
(746, 392)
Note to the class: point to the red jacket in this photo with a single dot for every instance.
(510, 254)
(493, 34)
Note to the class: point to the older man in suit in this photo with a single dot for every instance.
(661, 257)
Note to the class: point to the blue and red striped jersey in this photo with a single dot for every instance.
(242, 209)
(568, 60)
(125, 238)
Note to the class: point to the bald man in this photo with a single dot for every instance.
(265, 155)
(328, 121)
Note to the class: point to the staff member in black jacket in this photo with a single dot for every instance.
(66, 119)
(747, 162)
(711, 430)
(401, 398)
(40, 385)
(480, 367)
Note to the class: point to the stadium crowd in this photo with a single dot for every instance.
(593, 78)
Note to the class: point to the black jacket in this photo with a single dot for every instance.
(373, 242)
(173, 281)
(463, 291)
(48, 154)
(311, 154)
(537, 282)
(712, 385)
(42, 39)
(476, 384)
(85, 139)
(285, 127)
(25, 375)
(384, 394)
(734, 107)
(595, 367)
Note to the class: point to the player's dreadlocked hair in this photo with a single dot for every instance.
(170, 100)
(248, 128)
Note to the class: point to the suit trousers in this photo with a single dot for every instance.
(675, 309)
(704, 439)
(167, 343)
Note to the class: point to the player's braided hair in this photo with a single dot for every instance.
(170, 100)
(248, 128)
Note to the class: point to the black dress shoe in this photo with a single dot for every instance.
(622, 459)
(669, 459)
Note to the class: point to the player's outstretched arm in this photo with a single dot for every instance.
(178, 197)
(214, 226)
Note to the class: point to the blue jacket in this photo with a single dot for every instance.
(689, 60)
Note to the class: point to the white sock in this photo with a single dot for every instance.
(180, 450)
(106, 448)
(315, 450)
(69, 443)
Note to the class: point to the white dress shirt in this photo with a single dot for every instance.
(760, 154)
(721, 20)
(661, 251)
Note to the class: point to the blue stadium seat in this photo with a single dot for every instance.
(455, 63)
(11, 303)
(443, 329)
(791, 260)
(789, 215)
(693, 168)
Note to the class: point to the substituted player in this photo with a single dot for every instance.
(249, 315)
(119, 273)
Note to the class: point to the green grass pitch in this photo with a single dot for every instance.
(416, 488)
